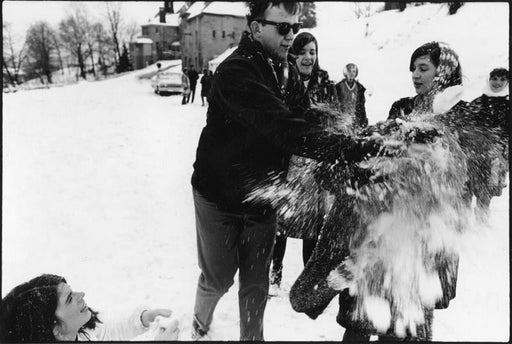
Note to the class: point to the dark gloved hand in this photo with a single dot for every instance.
(362, 149)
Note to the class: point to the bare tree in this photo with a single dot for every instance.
(104, 46)
(73, 31)
(41, 49)
(13, 57)
(364, 10)
(132, 30)
(90, 40)
(114, 21)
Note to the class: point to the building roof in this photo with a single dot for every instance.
(237, 9)
(223, 56)
(144, 40)
(195, 9)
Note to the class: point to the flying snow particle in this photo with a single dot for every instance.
(378, 311)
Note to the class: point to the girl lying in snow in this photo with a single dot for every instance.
(45, 309)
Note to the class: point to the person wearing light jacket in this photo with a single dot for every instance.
(45, 309)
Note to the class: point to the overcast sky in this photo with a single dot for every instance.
(20, 14)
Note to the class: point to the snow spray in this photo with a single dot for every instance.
(404, 255)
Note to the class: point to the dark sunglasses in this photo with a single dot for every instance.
(282, 28)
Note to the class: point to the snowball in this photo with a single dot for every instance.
(429, 288)
(378, 311)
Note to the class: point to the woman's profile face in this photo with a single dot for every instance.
(307, 58)
(498, 83)
(72, 311)
(423, 74)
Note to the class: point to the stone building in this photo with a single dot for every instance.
(160, 39)
(208, 29)
(143, 52)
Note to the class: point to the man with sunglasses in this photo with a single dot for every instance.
(250, 135)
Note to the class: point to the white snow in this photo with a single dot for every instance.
(96, 183)
(195, 9)
(214, 63)
(238, 9)
(171, 19)
(144, 40)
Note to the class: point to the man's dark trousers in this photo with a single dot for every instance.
(192, 92)
(227, 242)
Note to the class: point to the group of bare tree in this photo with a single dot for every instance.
(79, 42)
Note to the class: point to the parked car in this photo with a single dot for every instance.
(167, 83)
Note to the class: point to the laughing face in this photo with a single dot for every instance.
(423, 74)
(498, 83)
(72, 311)
(307, 58)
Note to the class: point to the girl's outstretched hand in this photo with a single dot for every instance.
(149, 315)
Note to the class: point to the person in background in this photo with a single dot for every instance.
(249, 137)
(493, 108)
(350, 93)
(185, 85)
(45, 309)
(206, 81)
(192, 76)
(305, 225)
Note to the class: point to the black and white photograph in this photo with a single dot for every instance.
(255, 171)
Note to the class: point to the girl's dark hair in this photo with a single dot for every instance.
(257, 8)
(499, 72)
(444, 58)
(28, 311)
(300, 41)
(431, 49)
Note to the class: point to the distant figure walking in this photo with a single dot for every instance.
(185, 84)
(206, 82)
(192, 76)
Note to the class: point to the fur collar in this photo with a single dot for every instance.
(490, 93)
(446, 99)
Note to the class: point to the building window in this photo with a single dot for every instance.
(233, 34)
(156, 29)
(223, 34)
(144, 31)
(213, 33)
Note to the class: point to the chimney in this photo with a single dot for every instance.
(169, 7)
(162, 14)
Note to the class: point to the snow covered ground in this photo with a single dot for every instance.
(96, 183)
